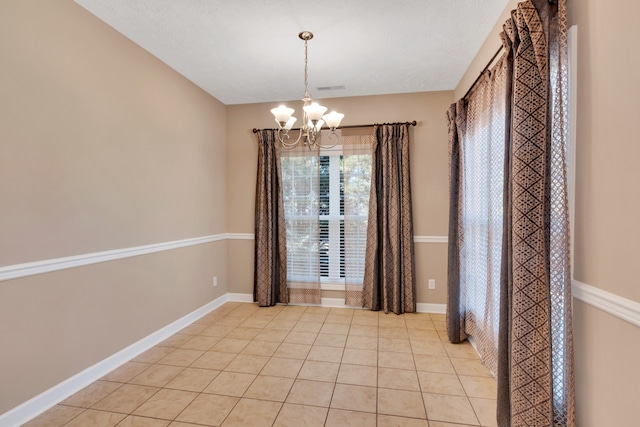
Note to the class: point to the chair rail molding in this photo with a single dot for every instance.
(240, 236)
(416, 239)
(47, 266)
(17, 271)
(430, 239)
(613, 304)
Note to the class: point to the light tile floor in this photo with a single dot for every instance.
(242, 365)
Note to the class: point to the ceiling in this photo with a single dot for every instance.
(247, 51)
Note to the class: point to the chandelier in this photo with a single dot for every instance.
(313, 117)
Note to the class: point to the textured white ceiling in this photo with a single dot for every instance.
(245, 51)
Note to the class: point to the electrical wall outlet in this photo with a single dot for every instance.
(432, 283)
(215, 281)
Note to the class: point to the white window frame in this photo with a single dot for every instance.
(334, 218)
(333, 281)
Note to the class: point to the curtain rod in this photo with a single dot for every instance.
(413, 123)
(486, 67)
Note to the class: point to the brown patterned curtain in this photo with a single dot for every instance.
(535, 384)
(270, 272)
(389, 275)
(300, 176)
(535, 345)
(357, 145)
(455, 292)
(475, 223)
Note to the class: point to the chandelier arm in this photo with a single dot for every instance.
(333, 136)
(284, 141)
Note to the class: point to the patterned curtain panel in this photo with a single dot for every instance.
(477, 179)
(534, 355)
(389, 275)
(536, 381)
(302, 201)
(270, 270)
(357, 147)
(455, 293)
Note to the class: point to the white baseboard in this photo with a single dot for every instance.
(240, 297)
(326, 302)
(49, 398)
(333, 302)
(423, 307)
(616, 305)
(339, 302)
(472, 341)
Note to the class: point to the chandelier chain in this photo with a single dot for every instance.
(306, 70)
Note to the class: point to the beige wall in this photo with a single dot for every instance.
(102, 147)
(607, 203)
(607, 373)
(429, 176)
(486, 52)
(606, 228)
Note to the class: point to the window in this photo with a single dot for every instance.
(482, 211)
(331, 217)
(326, 200)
